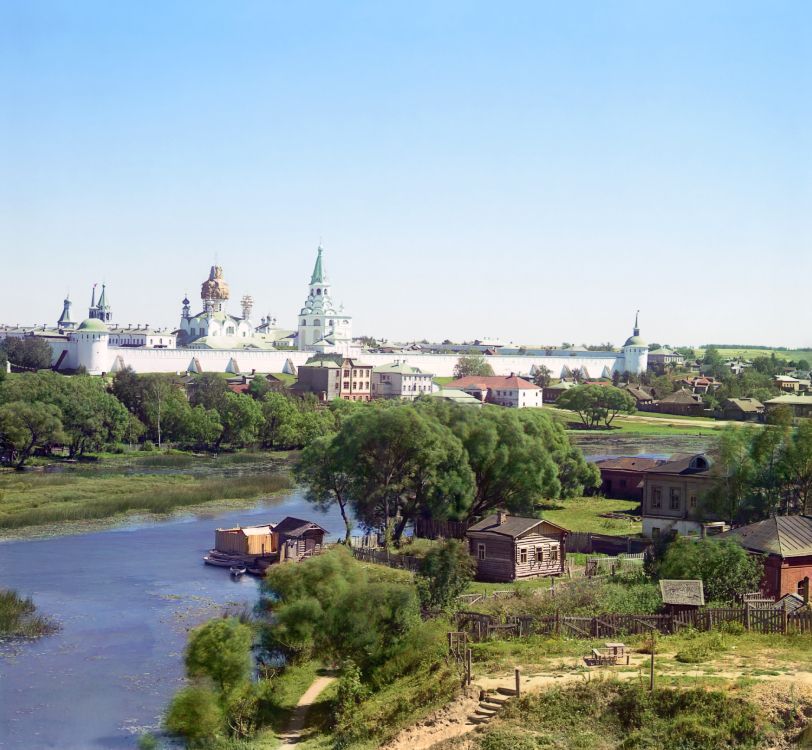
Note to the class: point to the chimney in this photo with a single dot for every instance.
(501, 517)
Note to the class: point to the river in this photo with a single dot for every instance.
(125, 599)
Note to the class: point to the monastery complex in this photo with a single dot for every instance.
(215, 340)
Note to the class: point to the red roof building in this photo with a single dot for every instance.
(502, 390)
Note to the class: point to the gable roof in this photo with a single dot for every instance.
(689, 464)
(682, 396)
(749, 405)
(290, 526)
(629, 463)
(488, 382)
(787, 536)
(690, 592)
(512, 526)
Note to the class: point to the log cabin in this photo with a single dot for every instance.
(509, 548)
(298, 539)
(246, 540)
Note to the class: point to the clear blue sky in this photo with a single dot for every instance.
(533, 171)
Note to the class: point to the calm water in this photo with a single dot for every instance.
(125, 599)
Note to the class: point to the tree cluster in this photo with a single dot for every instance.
(597, 405)
(762, 472)
(28, 353)
(396, 462)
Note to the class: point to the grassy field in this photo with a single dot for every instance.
(745, 353)
(630, 426)
(37, 498)
(584, 514)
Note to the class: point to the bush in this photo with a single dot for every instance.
(507, 739)
(726, 570)
(444, 574)
(221, 651)
(703, 647)
(195, 714)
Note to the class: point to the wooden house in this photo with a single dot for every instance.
(246, 540)
(508, 548)
(297, 539)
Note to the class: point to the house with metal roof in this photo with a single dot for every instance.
(509, 548)
(785, 542)
(800, 405)
(622, 476)
(672, 494)
(456, 396)
(401, 381)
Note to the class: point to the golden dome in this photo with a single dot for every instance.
(215, 287)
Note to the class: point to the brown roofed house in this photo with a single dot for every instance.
(681, 402)
(508, 548)
(298, 538)
(786, 544)
(622, 477)
(742, 409)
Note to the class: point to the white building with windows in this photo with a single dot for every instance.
(398, 380)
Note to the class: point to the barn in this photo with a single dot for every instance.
(509, 548)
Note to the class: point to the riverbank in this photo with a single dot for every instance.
(19, 617)
(79, 499)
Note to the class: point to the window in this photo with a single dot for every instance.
(539, 555)
(656, 497)
(655, 532)
(480, 551)
(692, 501)
(523, 554)
(675, 499)
(346, 385)
(554, 553)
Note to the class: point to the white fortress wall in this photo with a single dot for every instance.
(212, 360)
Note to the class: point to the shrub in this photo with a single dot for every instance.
(503, 738)
(195, 714)
(726, 570)
(221, 651)
(703, 647)
(444, 574)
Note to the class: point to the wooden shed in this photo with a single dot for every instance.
(297, 539)
(508, 548)
(682, 595)
(246, 540)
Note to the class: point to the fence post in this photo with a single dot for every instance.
(784, 620)
(517, 676)
(747, 615)
(468, 665)
(558, 622)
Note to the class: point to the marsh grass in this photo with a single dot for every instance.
(19, 618)
(36, 499)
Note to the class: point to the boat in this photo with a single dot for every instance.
(237, 571)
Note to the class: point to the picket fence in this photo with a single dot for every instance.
(480, 626)
(381, 557)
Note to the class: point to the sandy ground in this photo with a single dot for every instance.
(297, 719)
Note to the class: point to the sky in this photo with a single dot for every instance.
(526, 171)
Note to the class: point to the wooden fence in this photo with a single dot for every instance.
(586, 541)
(405, 562)
(480, 626)
(427, 528)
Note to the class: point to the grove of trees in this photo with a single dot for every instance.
(597, 404)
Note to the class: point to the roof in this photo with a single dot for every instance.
(294, 527)
(91, 324)
(512, 526)
(787, 536)
(663, 352)
(682, 396)
(401, 368)
(564, 385)
(635, 341)
(457, 396)
(688, 592)
(317, 276)
(639, 394)
(251, 530)
(328, 364)
(697, 463)
(629, 463)
(750, 405)
(789, 399)
(489, 382)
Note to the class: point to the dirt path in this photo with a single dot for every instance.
(293, 734)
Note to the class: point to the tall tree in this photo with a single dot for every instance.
(241, 418)
(326, 483)
(472, 364)
(543, 376)
(26, 426)
(30, 353)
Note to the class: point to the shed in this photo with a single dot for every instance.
(507, 548)
(297, 538)
(246, 540)
(682, 595)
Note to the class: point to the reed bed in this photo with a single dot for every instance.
(19, 618)
(36, 500)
